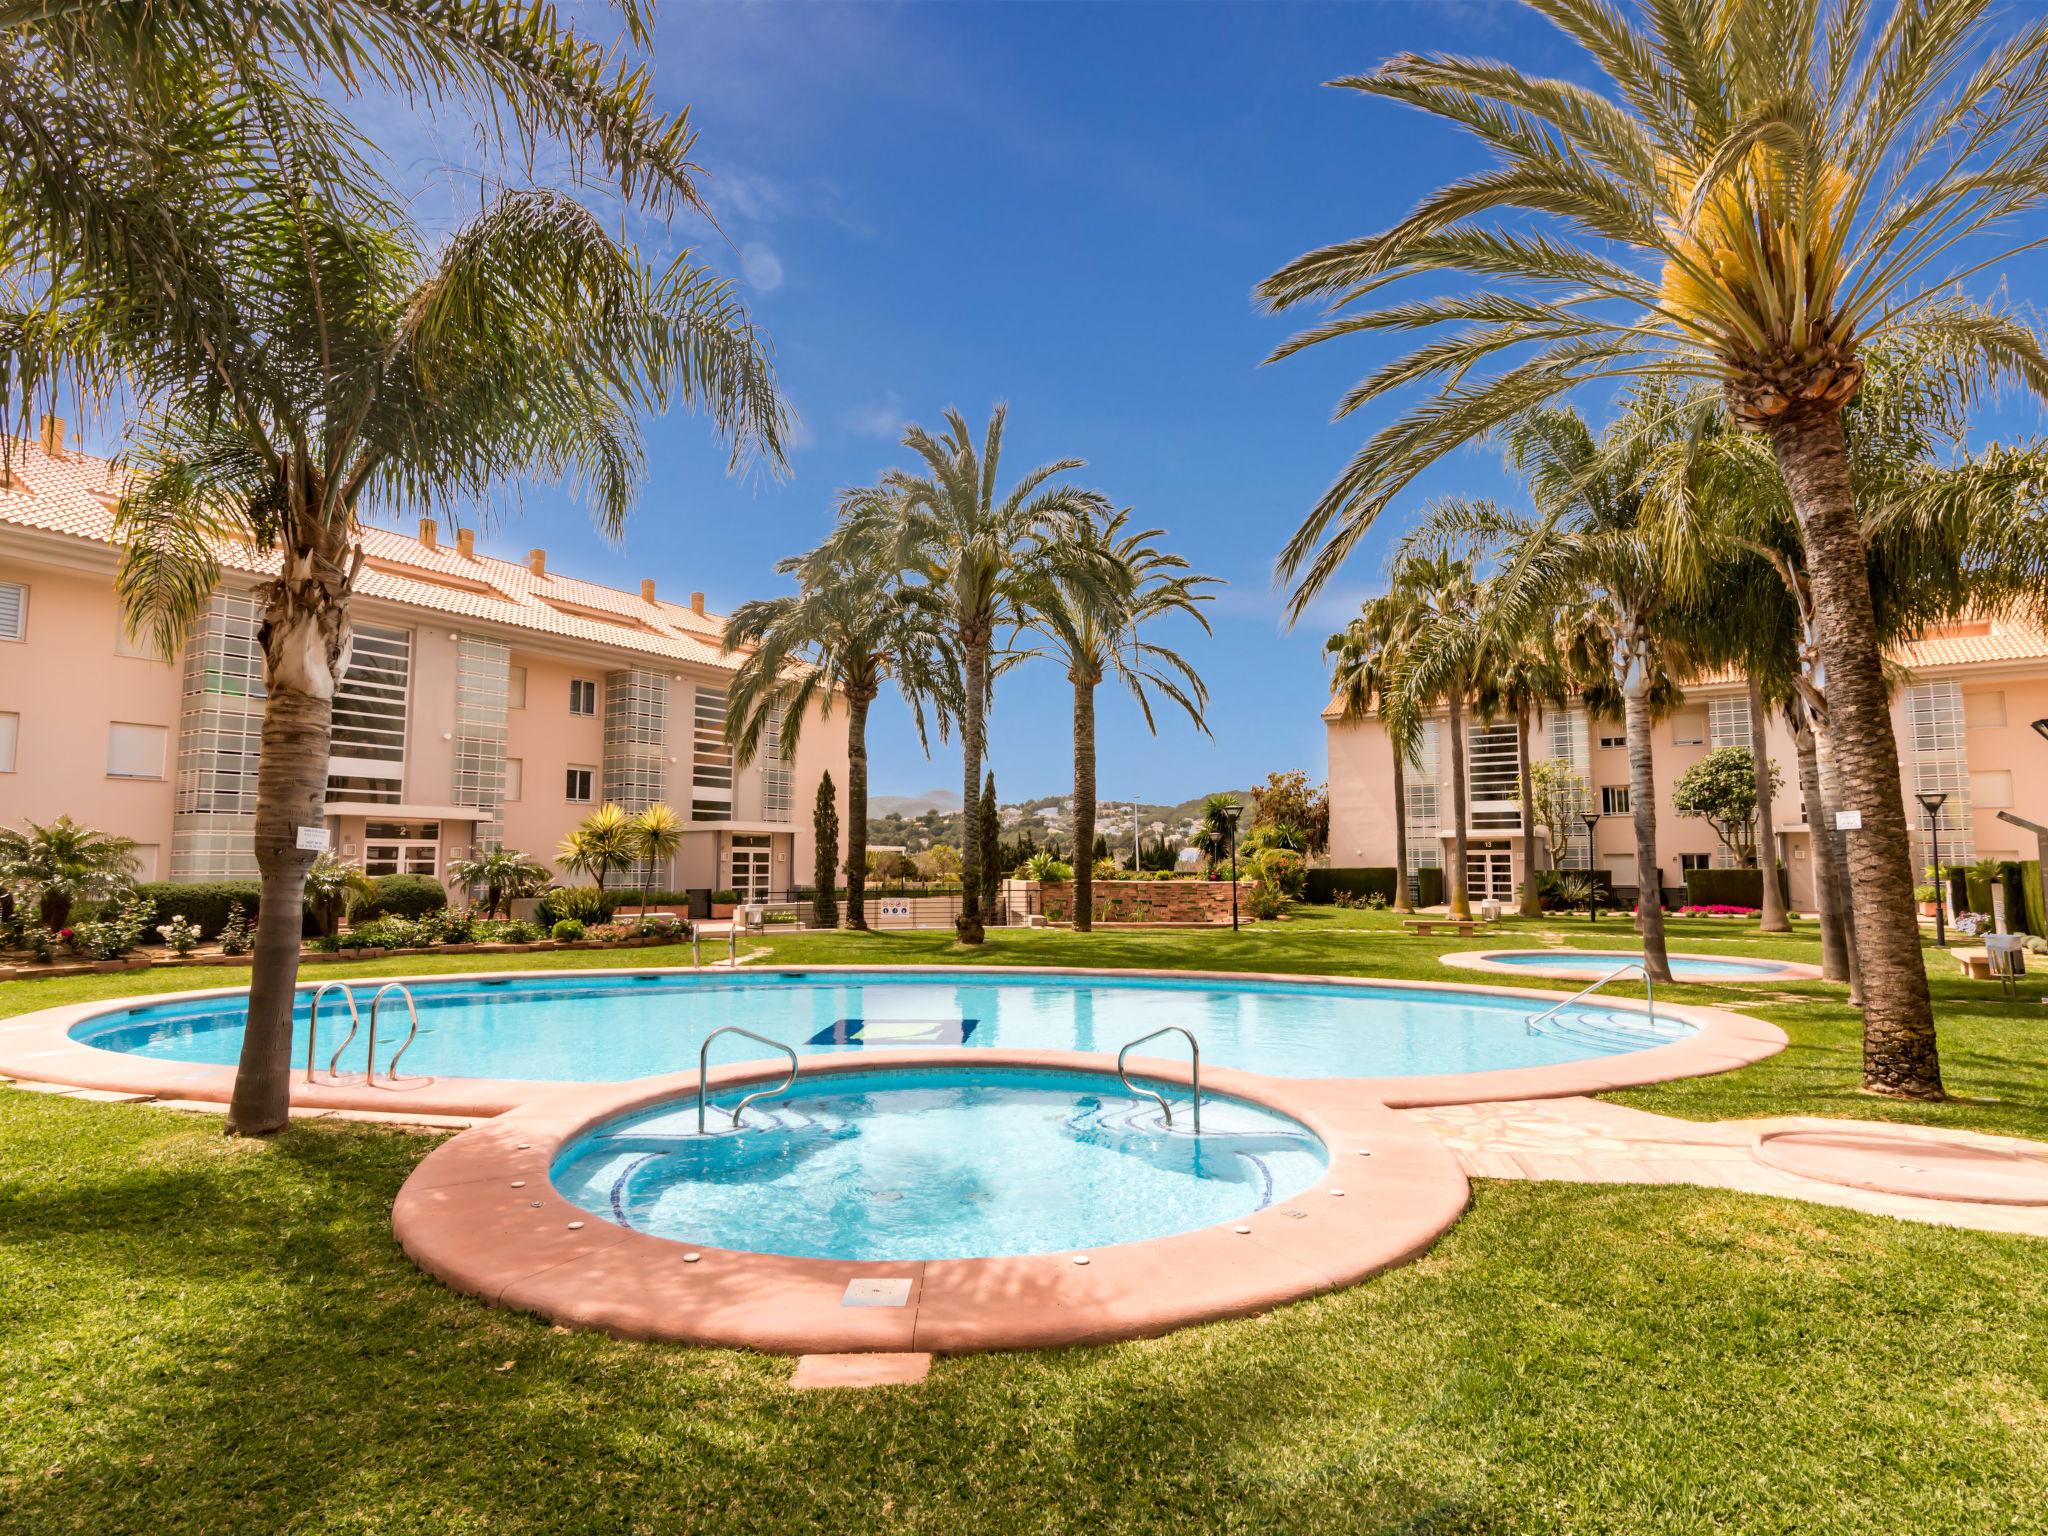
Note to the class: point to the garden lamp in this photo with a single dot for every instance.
(1592, 820)
(1230, 814)
(1932, 800)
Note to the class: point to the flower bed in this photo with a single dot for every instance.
(1718, 909)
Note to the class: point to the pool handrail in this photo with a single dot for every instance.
(1194, 1046)
(704, 1068)
(355, 1022)
(412, 1008)
(1649, 995)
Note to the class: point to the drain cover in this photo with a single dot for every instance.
(876, 1293)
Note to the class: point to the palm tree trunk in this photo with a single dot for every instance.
(1401, 901)
(1820, 827)
(1532, 901)
(973, 741)
(1900, 1055)
(1838, 860)
(1460, 898)
(857, 701)
(305, 635)
(1084, 802)
(1642, 800)
(1774, 920)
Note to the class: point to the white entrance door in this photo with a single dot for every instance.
(750, 873)
(402, 848)
(1489, 874)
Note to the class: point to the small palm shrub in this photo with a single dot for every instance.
(585, 903)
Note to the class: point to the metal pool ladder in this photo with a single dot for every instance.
(355, 1023)
(1159, 1098)
(703, 1068)
(1649, 996)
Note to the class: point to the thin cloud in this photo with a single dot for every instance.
(762, 266)
(884, 418)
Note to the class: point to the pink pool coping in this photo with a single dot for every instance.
(481, 1215)
(38, 1046)
(1924, 1161)
(1489, 960)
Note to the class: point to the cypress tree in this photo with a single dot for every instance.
(825, 871)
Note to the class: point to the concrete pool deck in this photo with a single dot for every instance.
(39, 1047)
(1581, 965)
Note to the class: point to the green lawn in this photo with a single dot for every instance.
(205, 1335)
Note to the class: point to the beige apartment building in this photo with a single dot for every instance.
(485, 702)
(1963, 715)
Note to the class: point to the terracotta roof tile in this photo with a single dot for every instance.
(75, 493)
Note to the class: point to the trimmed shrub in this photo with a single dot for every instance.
(582, 903)
(1322, 885)
(2035, 907)
(567, 931)
(1429, 887)
(204, 904)
(1730, 887)
(402, 896)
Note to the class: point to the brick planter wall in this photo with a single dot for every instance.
(1144, 901)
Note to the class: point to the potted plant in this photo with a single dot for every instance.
(1928, 898)
(724, 903)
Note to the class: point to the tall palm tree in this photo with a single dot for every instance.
(973, 551)
(850, 627)
(1439, 667)
(657, 838)
(1766, 188)
(378, 376)
(1365, 660)
(1092, 626)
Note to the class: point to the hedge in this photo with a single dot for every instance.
(2031, 903)
(411, 896)
(1731, 887)
(204, 904)
(1323, 885)
(1429, 887)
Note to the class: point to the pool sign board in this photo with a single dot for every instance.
(313, 839)
(1848, 821)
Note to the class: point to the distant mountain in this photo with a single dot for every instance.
(944, 801)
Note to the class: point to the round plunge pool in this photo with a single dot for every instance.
(938, 1164)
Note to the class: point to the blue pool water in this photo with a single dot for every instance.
(1682, 966)
(609, 1028)
(939, 1165)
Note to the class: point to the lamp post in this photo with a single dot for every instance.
(1932, 801)
(2041, 729)
(1230, 814)
(1592, 820)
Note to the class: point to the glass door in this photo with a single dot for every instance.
(402, 848)
(1489, 874)
(750, 874)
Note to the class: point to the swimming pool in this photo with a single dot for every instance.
(614, 1027)
(938, 1164)
(1591, 962)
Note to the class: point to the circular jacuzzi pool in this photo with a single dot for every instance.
(938, 1164)
(1577, 964)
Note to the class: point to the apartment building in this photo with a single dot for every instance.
(486, 701)
(1964, 715)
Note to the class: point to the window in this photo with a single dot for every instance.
(13, 611)
(515, 778)
(1614, 800)
(579, 785)
(1613, 743)
(582, 696)
(710, 760)
(1689, 729)
(1991, 790)
(515, 688)
(366, 747)
(136, 751)
(1695, 861)
(1984, 709)
(10, 737)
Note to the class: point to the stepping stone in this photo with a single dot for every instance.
(874, 1370)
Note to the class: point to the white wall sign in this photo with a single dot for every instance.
(1848, 821)
(313, 839)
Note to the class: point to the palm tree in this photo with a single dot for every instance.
(1218, 826)
(604, 843)
(1771, 187)
(657, 838)
(54, 864)
(851, 625)
(1365, 661)
(503, 874)
(333, 886)
(1445, 654)
(1092, 627)
(972, 551)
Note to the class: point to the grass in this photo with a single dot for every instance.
(205, 1335)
